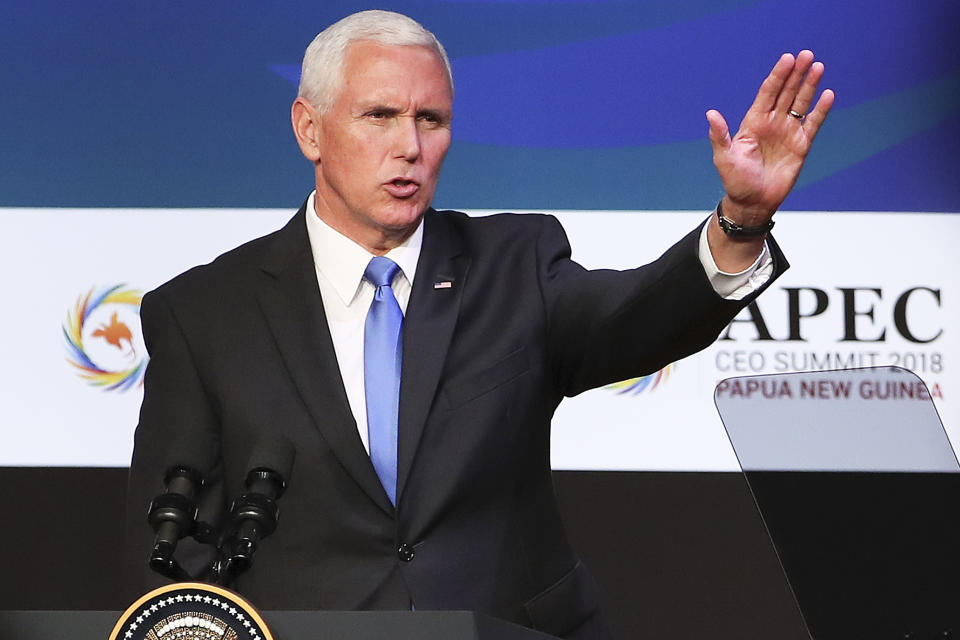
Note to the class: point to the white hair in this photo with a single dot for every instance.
(322, 73)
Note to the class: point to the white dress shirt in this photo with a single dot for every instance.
(735, 286)
(340, 262)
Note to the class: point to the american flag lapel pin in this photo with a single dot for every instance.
(443, 284)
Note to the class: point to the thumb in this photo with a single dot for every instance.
(719, 131)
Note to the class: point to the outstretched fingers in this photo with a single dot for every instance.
(773, 84)
(811, 124)
(796, 83)
(801, 104)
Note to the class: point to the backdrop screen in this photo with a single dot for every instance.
(142, 139)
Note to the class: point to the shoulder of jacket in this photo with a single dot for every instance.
(233, 265)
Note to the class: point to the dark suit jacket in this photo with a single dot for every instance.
(240, 351)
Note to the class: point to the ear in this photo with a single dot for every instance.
(306, 128)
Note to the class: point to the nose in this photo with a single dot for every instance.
(407, 139)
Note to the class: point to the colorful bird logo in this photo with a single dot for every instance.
(115, 333)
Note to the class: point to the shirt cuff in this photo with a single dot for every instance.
(735, 286)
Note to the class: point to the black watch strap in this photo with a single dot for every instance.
(737, 230)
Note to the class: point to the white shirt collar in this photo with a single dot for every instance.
(342, 261)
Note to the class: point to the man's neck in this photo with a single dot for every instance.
(378, 242)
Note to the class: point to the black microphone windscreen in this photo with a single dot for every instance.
(191, 450)
(276, 454)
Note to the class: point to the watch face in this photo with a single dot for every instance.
(727, 226)
(191, 611)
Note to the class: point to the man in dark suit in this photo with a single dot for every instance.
(451, 506)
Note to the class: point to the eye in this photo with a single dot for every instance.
(380, 113)
(432, 118)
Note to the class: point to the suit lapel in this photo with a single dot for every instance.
(290, 300)
(427, 329)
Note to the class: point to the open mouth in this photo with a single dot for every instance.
(401, 188)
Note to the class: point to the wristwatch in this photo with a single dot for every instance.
(736, 230)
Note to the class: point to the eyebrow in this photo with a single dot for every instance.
(380, 106)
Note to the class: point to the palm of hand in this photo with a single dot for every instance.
(761, 163)
(764, 159)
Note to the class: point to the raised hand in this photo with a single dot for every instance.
(760, 164)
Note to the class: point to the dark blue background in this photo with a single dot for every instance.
(560, 105)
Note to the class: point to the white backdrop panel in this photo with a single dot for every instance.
(853, 268)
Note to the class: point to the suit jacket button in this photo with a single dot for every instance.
(405, 552)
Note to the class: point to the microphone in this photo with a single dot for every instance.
(254, 515)
(173, 514)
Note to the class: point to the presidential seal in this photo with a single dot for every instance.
(191, 611)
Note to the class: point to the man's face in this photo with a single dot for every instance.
(382, 143)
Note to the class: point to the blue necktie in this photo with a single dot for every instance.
(382, 351)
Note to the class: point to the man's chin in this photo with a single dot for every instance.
(403, 216)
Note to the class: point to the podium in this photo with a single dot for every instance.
(859, 487)
(290, 625)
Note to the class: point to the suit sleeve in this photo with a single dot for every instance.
(178, 426)
(605, 326)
